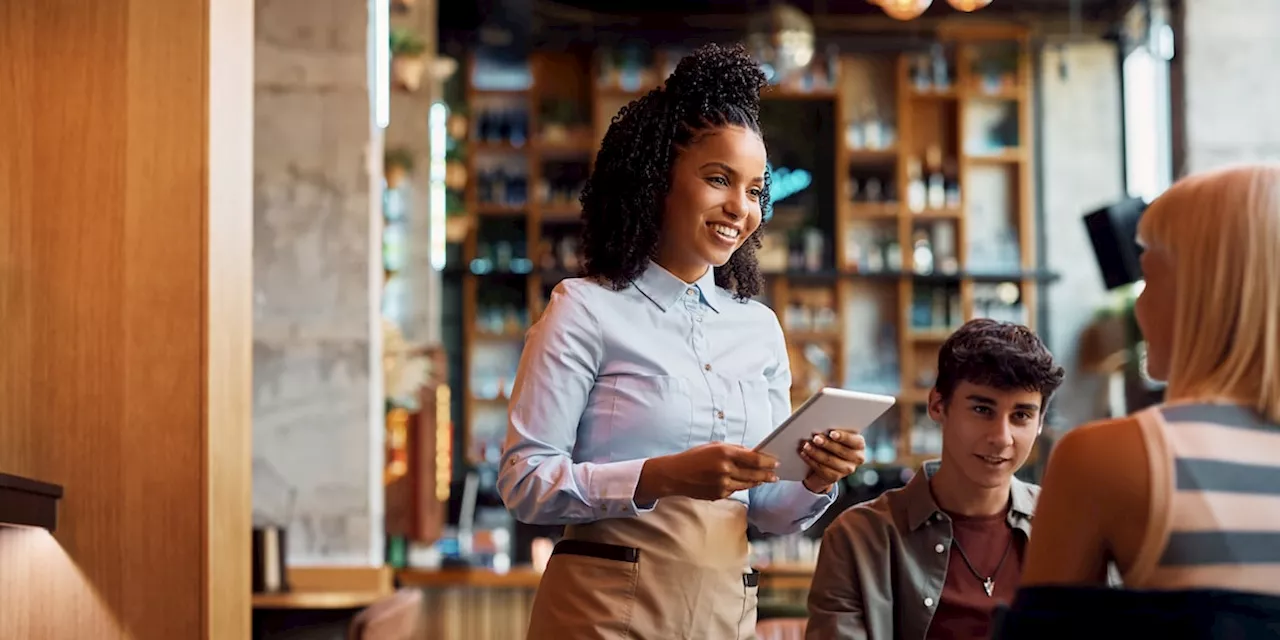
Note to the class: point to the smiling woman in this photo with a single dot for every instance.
(666, 160)
(644, 385)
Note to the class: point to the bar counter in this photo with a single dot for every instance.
(484, 604)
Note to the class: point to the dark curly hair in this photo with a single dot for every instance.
(1003, 355)
(623, 199)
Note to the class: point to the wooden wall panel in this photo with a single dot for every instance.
(125, 249)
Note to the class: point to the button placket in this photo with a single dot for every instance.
(701, 351)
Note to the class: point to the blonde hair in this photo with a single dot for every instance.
(1222, 231)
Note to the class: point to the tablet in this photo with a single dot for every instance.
(825, 410)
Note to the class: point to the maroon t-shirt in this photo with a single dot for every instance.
(964, 611)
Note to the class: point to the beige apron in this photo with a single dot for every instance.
(679, 572)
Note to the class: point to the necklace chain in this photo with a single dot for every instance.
(988, 583)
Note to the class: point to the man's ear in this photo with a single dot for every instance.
(937, 406)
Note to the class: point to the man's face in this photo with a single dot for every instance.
(987, 433)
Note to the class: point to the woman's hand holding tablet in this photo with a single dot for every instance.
(820, 443)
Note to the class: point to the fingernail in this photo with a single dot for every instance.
(817, 439)
(835, 435)
(773, 478)
(776, 464)
(807, 446)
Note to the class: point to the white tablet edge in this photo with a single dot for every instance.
(833, 391)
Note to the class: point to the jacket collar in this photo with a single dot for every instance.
(664, 289)
(921, 506)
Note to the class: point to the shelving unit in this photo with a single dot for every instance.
(866, 292)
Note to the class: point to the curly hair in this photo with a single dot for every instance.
(1003, 355)
(622, 202)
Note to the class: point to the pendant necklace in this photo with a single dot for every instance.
(988, 583)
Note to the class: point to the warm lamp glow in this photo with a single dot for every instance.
(968, 5)
(903, 9)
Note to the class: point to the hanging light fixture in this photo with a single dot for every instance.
(903, 9)
(783, 39)
(968, 6)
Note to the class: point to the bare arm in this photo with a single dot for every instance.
(1092, 507)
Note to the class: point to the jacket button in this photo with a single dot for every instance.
(939, 548)
(928, 602)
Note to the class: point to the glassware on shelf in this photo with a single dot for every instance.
(503, 185)
(872, 250)
(496, 125)
(922, 252)
(871, 361)
(917, 192)
(936, 308)
(936, 186)
(944, 248)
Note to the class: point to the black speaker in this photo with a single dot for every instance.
(1113, 230)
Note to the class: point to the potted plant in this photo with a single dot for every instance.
(396, 164)
(408, 59)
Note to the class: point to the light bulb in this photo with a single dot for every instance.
(968, 5)
(904, 9)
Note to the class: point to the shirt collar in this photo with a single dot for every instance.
(664, 289)
(921, 506)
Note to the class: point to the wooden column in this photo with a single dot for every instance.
(126, 218)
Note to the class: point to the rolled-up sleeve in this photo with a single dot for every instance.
(785, 507)
(538, 479)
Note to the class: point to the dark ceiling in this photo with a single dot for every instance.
(840, 7)
(566, 21)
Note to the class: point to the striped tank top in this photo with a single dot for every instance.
(1214, 521)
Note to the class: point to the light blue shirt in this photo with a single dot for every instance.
(611, 378)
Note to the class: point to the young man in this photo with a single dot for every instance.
(932, 559)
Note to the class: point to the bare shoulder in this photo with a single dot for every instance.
(1104, 464)
(1092, 447)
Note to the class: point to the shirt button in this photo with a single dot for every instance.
(939, 548)
(690, 292)
(706, 367)
(720, 415)
(928, 602)
(698, 318)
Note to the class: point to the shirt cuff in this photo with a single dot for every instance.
(614, 489)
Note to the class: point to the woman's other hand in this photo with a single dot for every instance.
(831, 457)
(708, 472)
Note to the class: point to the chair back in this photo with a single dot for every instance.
(396, 617)
(1102, 614)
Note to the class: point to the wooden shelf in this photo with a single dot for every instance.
(943, 122)
(317, 600)
(527, 578)
(28, 503)
(490, 209)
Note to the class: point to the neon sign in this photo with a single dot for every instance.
(784, 183)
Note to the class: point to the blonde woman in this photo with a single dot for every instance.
(1185, 495)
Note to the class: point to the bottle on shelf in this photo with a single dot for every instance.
(922, 252)
(940, 69)
(944, 248)
(917, 192)
(936, 195)
(951, 179)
